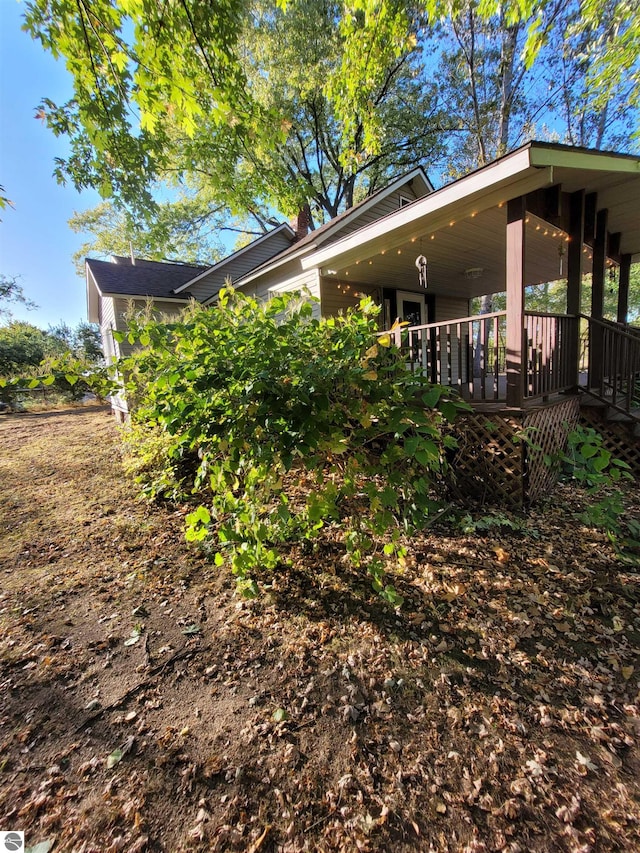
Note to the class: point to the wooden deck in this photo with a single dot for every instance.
(503, 448)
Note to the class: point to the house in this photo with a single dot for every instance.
(541, 213)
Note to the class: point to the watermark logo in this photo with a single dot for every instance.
(11, 842)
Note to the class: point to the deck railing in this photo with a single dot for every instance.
(469, 353)
(614, 365)
(551, 339)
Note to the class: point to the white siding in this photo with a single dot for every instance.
(388, 204)
(107, 314)
(450, 307)
(235, 268)
(287, 279)
(336, 301)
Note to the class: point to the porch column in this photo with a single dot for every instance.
(623, 288)
(575, 257)
(597, 297)
(516, 367)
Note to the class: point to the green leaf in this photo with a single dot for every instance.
(191, 630)
(114, 759)
(432, 396)
(279, 715)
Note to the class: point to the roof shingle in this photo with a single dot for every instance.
(144, 278)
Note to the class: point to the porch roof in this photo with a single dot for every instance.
(461, 227)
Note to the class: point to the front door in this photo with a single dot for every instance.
(411, 308)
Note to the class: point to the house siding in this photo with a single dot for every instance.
(107, 319)
(161, 310)
(450, 307)
(384, 207)
(235, 268)
(335, 301)
(286, 280)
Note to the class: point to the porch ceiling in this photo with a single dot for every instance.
(384, 252)
(465, 259)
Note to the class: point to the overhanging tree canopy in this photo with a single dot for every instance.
(265, 107)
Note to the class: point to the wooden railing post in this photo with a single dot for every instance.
(623, 288)
(598, 274)
(516, 367)
(574, 278)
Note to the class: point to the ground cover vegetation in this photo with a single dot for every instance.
(27, 351)
(145, 706)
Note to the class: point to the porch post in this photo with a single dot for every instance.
(516, 367)
(574, 277)
(623, 288)
(597, 297)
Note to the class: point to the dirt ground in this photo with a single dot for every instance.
(143, 707)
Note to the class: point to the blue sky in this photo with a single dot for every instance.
(35, 241)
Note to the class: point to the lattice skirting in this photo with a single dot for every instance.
(500, 457)
(617, 437)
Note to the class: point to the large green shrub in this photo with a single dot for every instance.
(282, 425)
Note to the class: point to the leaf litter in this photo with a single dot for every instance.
(498, 709)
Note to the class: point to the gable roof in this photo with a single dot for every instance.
(614, 177)
(284, 229)
(144, 278)
(314, 239)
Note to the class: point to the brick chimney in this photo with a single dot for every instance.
(302, 222)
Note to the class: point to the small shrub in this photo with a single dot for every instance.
(282, 425)
(588, 462)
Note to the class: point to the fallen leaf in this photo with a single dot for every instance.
(114, 758)
(41, 847)
(585, 761)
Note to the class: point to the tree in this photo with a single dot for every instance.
(264, 108)
(83, 342)
(11, 291)
(187, 229)
(254, 119)
(22, 346)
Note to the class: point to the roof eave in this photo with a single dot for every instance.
(283, 227)
(92, 289)
(510, 176)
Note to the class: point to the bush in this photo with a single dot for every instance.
(282, 425)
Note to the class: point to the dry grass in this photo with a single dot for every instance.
(497, 711)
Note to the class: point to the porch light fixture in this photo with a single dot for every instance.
(421, 266)
(473, 272)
